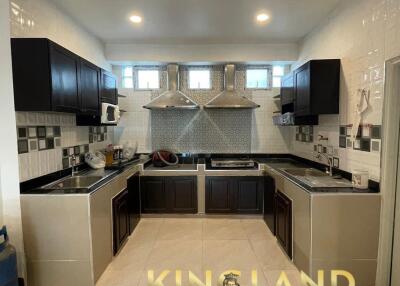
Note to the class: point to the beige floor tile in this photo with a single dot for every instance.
(171, 277)
(182, 229)
(169, 244)
(256, 229)
(293, 277)
(133, 255)
(147, 229)
(270, 255)
(229, 254)
(245, 278)
(175, 254)
(223, 229)
(120, 278)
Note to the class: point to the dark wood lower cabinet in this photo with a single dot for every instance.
(234, 195)
(134, 201)
(283, 221)
(269, 202)
(181, 194)
(220, 195)
(169, 194)
(121, 219)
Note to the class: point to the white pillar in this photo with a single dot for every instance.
(9, 178)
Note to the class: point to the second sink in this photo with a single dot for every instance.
(76, 182)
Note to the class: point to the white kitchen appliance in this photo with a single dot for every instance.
(110, 113)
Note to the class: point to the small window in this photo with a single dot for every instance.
(199, 79)
(277, 74)
(148, 79)
(127, 77)
(257, 78)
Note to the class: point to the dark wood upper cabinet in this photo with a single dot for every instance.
(283, 222)
(316, 88)
(48, 77)
(234, 195)
(89, 87)
(287, 90)
(108, 92)
(64, 68)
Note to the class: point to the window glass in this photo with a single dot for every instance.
(199, 79)
(148, 79)
(277, 72)
(127, 77)
(257, 78)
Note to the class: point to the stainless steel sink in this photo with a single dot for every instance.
(76, 182)
(317, 179)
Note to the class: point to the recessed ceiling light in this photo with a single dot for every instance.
(135, 19)
(262, 17)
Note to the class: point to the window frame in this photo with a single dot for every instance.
(123, 77)
(136, 81)
(278, 76)
(269, 79)
(190, 69)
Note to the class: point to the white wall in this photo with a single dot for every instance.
(202, 53)
(9, 184)
(363, 34)
(41, 18)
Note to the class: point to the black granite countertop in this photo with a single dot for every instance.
(277, 163)
(36, 186)
(280, 164)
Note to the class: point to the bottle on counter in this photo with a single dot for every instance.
(109, 155)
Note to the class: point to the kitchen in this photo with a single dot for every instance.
(245, 139)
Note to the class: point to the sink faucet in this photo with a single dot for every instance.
(329, 160)
(73, 163)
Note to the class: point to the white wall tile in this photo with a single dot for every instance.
(363, 34)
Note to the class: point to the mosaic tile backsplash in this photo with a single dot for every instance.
(43, 139)
(210, 131)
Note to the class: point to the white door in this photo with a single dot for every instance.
(395, 273)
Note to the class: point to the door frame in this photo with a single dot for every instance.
(390, 170)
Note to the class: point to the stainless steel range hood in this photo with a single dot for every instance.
(172, 98)
(229, 98)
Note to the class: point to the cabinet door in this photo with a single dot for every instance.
(133, 184)
(153, 195)
(269, 206)
(108, 88)
(283, 223)
(182, 194)
(64, 78)
(121, 220)
(287, 89)
(249, 195)
(89, 88)
(302, 91)
(219, 194)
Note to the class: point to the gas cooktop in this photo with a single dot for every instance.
(232, 163)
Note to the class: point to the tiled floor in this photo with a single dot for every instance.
(198, 245)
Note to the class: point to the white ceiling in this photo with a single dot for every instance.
(198, 21)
